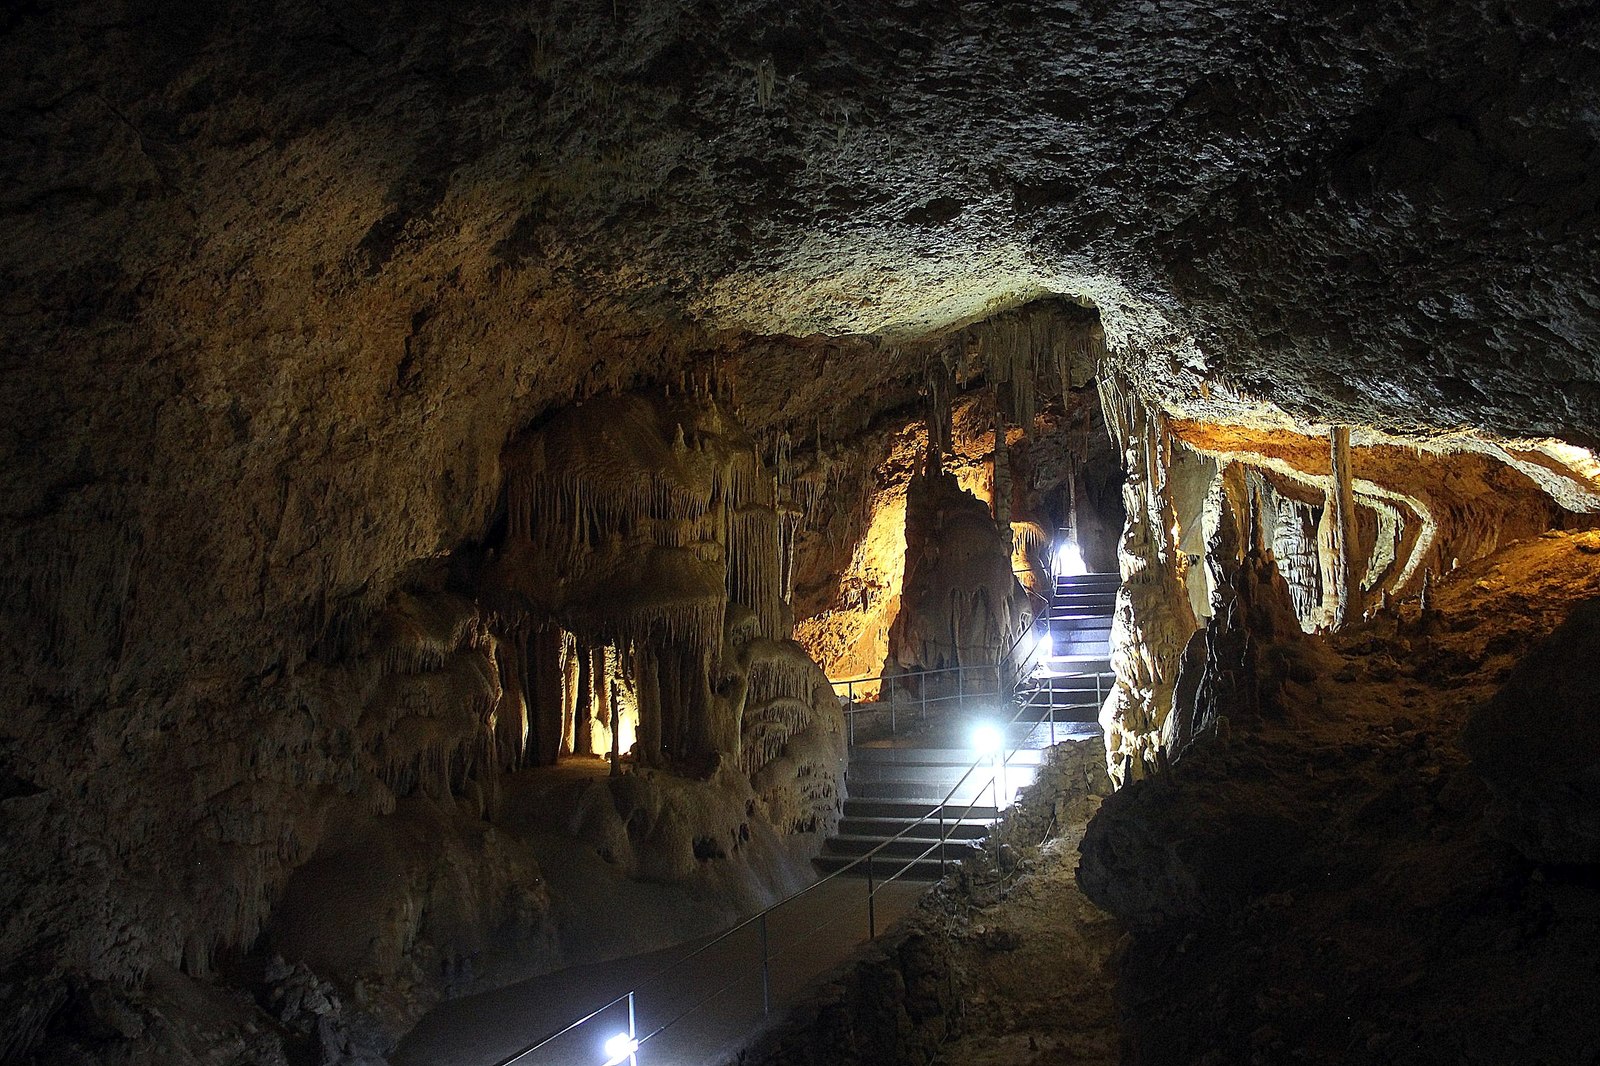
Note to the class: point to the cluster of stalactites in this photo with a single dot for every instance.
(1014, 348)
(702, 493)
(799, 495)
(780, 701)
(644, 524)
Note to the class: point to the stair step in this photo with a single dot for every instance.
(925, 870)
(944, 777)
(1060, 635)
(884, 828)
(1087, 584)
(1099, 624)
(932, 793)
(913, 809)
(904, 848)
(951, 757)
(1088, 595)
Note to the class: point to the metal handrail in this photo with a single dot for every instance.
(999, 761)
(1020, 668)
(937, 812)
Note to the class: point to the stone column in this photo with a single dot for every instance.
(1345, 587)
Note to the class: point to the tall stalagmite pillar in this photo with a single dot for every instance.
(1345, 585)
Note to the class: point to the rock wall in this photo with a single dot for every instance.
(1209, 502)
(376, 825)
(1333, 875)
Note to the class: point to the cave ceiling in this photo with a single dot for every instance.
(1372, 213)
(298, 272)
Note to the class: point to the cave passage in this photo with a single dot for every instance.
(497, 488)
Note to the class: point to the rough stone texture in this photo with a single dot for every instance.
(1537, 743)
(1323, 886)
(960, 606)
(1004, 963)
(278, 284)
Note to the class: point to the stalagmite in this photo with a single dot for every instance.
(1344, 588)
(1154, 618)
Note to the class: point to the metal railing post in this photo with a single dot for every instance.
(633, 1031)
(941, 842)
(850, 705)
(872, 913)
(766, 969)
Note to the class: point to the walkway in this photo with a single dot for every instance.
(724, 983)
(922, 797)
(702, 1001)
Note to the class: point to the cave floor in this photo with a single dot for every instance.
(1034, 959)
(488, 1028)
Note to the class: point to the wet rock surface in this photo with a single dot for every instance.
(1330, 885)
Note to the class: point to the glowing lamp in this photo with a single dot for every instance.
(620, 1049)
(1069, 560)
(986, 739)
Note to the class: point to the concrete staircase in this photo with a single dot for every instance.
(899, 783)
(1070, 673)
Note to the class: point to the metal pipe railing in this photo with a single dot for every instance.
(994, 784)
(875, 884)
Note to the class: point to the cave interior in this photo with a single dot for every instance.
(451, 452)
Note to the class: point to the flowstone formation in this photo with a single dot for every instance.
(1383, 850)
(962, 607)
(645, 533)
(1349, 523)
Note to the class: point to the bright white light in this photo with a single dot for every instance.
(1069, 560)
(620, 1048)
(986, 739)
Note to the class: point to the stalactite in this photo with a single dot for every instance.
(662, 533)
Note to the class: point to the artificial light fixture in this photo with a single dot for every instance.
(986, 739)
(1069, 560)
(621, 1048)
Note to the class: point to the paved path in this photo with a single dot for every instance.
(710, 1004)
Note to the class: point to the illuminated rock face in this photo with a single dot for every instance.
(649, 527)
(278, 287)
(962, 606)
